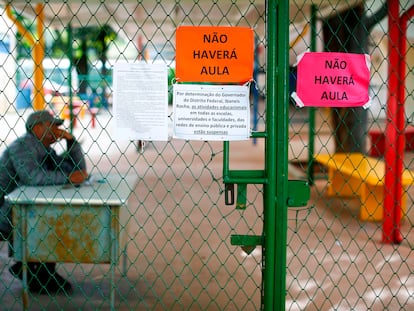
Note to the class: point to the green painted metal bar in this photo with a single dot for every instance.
(275, 191)
(311, 164)
(244, 177)
(241, 202)
(259, 134)
(269, 193)
(240, 176)
(226, 165)
(274, 177)
(246, 240)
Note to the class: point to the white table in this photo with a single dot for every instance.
(63, 223)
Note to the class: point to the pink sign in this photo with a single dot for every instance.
(326, 79)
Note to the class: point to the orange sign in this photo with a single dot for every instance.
(214, 54)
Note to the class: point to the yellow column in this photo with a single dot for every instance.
(38, 53)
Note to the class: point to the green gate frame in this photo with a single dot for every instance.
(279, 193)
(276, 157)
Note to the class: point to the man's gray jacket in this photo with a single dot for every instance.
(27, 161)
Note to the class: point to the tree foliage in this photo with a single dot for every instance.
(85, 41)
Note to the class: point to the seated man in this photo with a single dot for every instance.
(30, 160)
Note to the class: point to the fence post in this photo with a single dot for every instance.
(393, 155)
(311, 165)
(275, 191)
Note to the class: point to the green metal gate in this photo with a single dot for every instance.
(243, 225)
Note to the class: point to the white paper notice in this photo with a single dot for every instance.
(211, 112)
(140, 101)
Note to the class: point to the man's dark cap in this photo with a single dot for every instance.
(41, 116)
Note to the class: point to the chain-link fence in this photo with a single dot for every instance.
(176, 252)
(338, 256)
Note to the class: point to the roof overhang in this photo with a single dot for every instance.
(127, 14)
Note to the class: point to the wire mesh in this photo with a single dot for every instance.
(178, 254)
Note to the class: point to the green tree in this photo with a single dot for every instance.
(85, 41)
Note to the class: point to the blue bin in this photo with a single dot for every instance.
(23, 99)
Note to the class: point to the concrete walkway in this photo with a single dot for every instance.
(180, 257)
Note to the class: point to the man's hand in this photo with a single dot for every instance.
(62, 134)
(78, 177)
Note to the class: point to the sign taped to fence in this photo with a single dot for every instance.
(211, 112)
(326, 79)
(140, 102)
(214, 54)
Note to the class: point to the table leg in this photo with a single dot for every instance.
(25, 294)
(124, 260)
(113, 256)
(112, 285)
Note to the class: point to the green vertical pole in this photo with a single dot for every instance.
(282, 133)
(269, 194)
(275, 191)
(311, 171)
